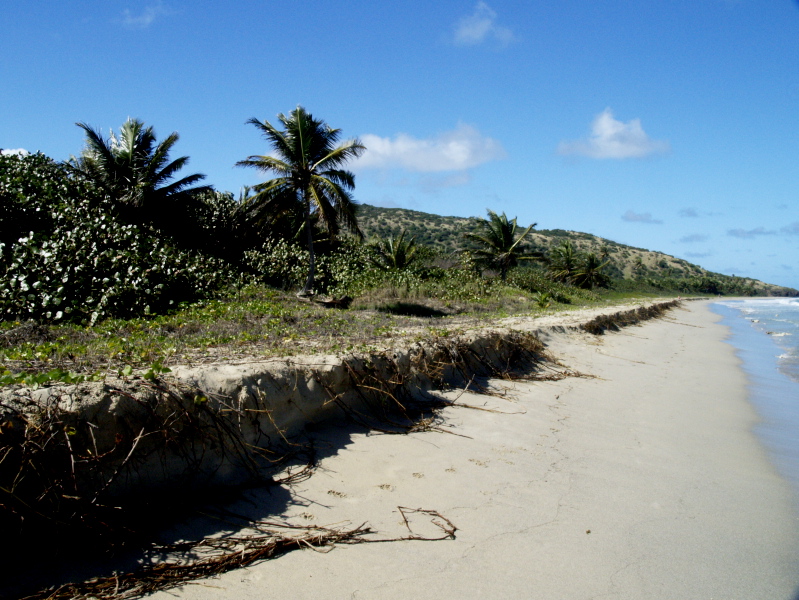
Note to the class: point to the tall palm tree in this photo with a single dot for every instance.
(498, 241)
(310, 179)
(135, 172)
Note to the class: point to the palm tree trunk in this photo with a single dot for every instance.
(308, 289)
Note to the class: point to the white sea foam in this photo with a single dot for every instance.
(779, 318)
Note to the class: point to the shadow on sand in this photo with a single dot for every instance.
(160, 521)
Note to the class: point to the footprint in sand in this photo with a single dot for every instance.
(336, 494)
(479, 463)
(418, 475)
(307, 516)
(386, 486)
(450, 470)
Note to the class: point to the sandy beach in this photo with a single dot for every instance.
(641, 480)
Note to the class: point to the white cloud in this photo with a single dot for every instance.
(145, 18)
(750, 233)
(15, 151)
(694, 237)
(634, 217)
(480, 26)
(457, 150)
(614, 139)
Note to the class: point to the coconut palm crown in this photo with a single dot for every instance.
(499, 244)
(563, 262)
(136, 172)
(310, 178)
(589, 272)
(395, 253)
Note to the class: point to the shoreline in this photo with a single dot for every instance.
(642, 481)
(771, 391)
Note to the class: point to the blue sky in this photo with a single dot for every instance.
(671, 125)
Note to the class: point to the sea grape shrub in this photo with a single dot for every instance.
(214, 226)
(348, 268)
(277, 263)
(284, 265)
(90, 266)
(31, 188)
(65, 255)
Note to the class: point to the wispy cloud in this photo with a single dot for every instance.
(457, 150)
(434, 182)
(791, 229)
(480, 26)
(145, 18)
(698, 254)
(689, 212)
(610, 138)
(693, 238)
(634, 217)
(15, 151)
(750, 233)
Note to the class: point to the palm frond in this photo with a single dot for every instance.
(135, 171)
(498, 244)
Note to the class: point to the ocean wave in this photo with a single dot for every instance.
(749, 304)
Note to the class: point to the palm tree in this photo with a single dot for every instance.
(310, 179)
(136, 173)
(396, 253)
(589, 272)
(564, 261)
(499, 244)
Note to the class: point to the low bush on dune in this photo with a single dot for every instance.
(66, 256)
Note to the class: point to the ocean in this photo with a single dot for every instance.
(765, 333)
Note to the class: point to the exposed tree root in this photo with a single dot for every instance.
(216, 555)
(614, 322)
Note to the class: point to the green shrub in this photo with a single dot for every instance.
(213, 225)
(537, 281)
(64, 255)
(281, 264)
(92, 267)
(31, 188)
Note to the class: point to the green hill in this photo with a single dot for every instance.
(445, 234)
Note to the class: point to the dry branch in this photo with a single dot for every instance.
(614, 322)
(214, 556)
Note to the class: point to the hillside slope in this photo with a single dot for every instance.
(445, 234)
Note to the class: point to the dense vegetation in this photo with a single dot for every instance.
(115, 234)
(624, 268)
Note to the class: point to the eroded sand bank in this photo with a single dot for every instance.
(643, 481)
